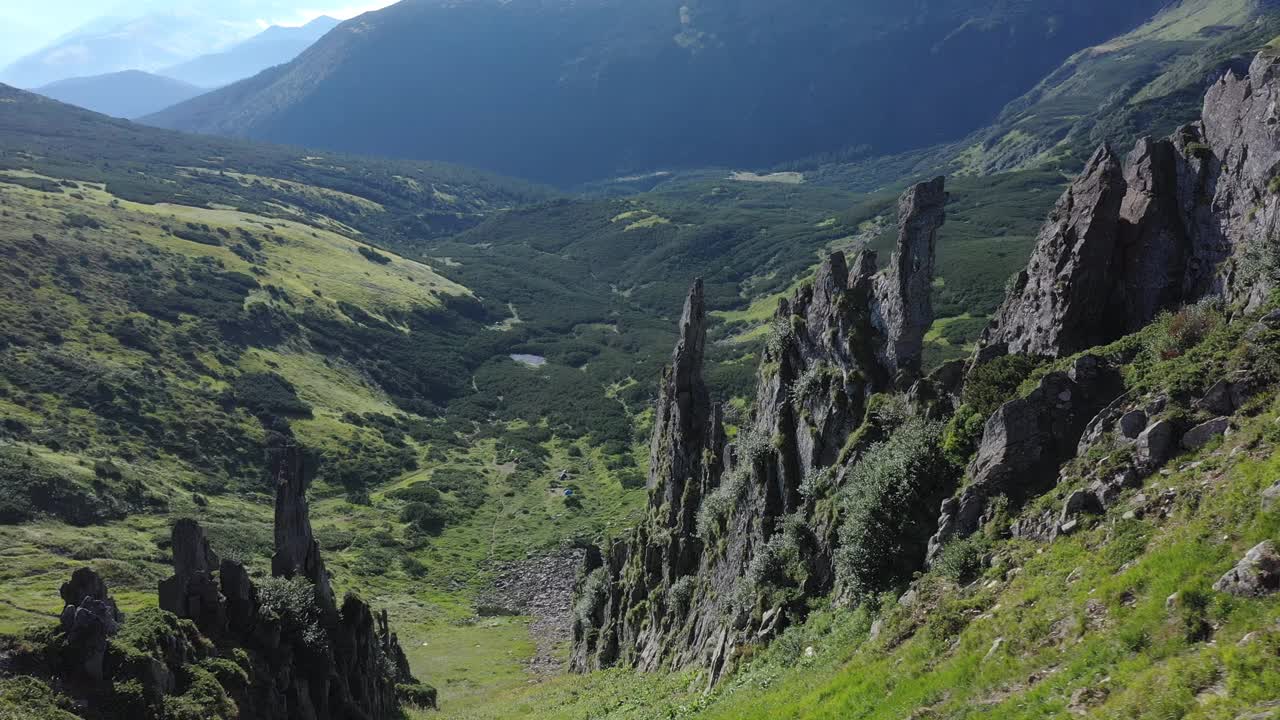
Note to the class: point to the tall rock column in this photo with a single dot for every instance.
(192, 592)
(904, 306)
(297, 552)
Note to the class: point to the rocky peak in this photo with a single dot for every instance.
(192, 592)
(345, 664)
(1239, 122)
(904, 307)
(89, 618)
(672, 593)
(296, 551)
(1181, 219)
(1061, 303)
(683, 433)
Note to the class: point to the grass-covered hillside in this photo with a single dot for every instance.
(171, 302)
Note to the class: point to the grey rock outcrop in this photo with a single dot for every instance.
(1256, 575)
(1062, 303)
(904, 308)
(192, 591)
(1155, 445)
(296, 551)
(1240, 116)
(291, 664)
(1204, 433)
(89, 619)
(1025, 442)
(1183, 218)
(672, 593)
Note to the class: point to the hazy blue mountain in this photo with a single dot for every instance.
(125, 94)
(108, 45)
(274, 46)
(567, 91)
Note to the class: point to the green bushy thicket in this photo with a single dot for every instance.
(889, 500)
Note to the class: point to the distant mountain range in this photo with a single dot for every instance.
(126, 94)
(135, 93)
(569, 91)
(207, 48)
(109, 45)
(274, 46)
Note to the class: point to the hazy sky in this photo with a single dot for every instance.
(27, 25)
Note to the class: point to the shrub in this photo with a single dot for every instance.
(778, 339)
(204, 699)
(808, 384)
(266, 394)
(374, 256)
(961, 560)
(465, 485)
(718, 504)
(27, 697)
(292, 603)
(779, 565)
(1176, 333)
(680, 593)
(429, 516)
(80, 221)
(418, 694)
(30, 487)
(201, 237)
(413, 567)
(817, 483)
(591, 593)
(888, 508)
(988, 387)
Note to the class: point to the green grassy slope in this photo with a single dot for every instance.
(169, 302)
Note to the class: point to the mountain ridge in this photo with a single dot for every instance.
(630, 63)
(125, 94)
(274, 46)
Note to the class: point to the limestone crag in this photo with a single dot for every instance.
(1183, 218)
(672, 594)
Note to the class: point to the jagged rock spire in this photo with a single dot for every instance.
(1061, 303)
(297, 552)
(904, 306)
(192, 592)
(684, 416)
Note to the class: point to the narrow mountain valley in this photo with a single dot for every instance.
(961, 400)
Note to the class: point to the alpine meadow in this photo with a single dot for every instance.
(662, 360)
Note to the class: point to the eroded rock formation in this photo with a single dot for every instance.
(903, 311)
(1025, 442)
(277, 656)
(1182, 218)
(673, 593)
